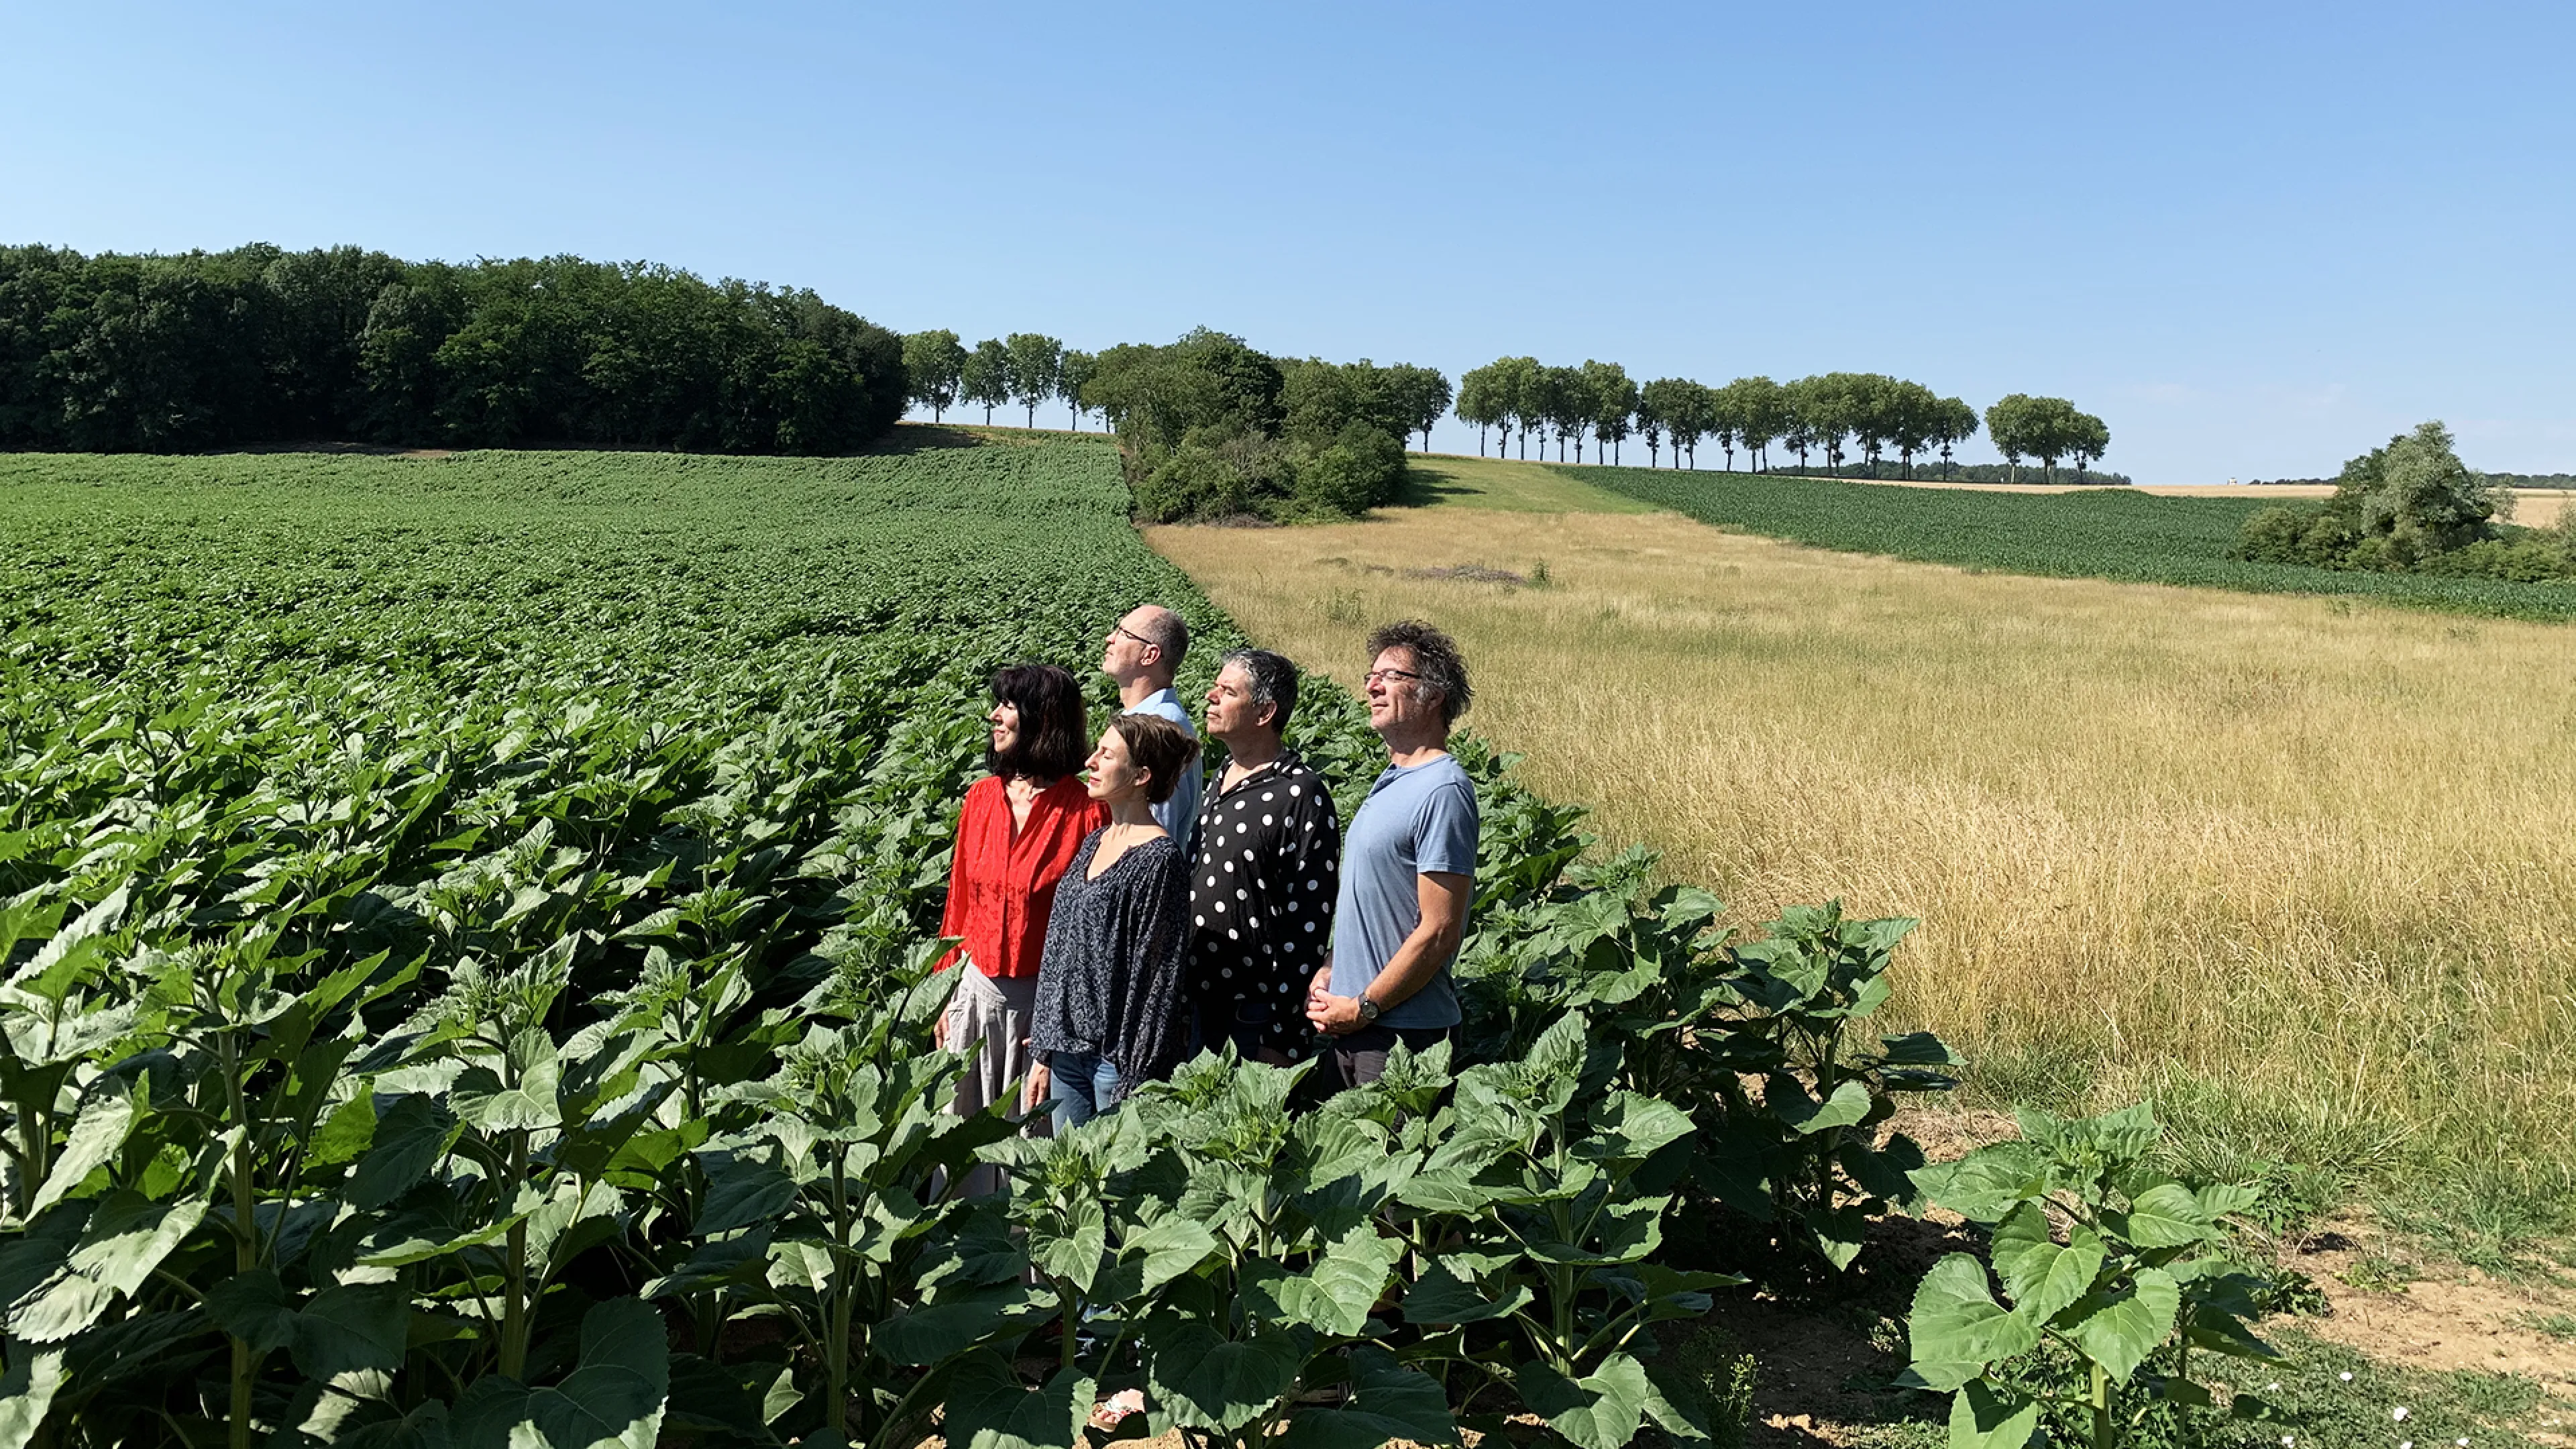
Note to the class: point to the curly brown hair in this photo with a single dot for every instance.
(1435, 658)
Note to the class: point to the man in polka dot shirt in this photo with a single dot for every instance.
(1267, 871)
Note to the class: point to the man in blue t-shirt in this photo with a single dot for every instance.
(1408, 864)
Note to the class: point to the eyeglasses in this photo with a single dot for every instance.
(1132, 634)
(1374, 675)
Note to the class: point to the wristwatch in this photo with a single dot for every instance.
(1368, 1010)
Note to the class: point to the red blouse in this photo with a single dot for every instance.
(1001, 887)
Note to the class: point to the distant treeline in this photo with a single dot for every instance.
(2500, 480)
(1820, 414)
(1970, 473)
(120, 352)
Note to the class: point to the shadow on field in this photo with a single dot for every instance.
(1426, 484)
(1829, 1345)
(905, 439)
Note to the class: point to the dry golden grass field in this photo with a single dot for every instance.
(2303, 869)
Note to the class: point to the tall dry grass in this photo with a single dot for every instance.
(2302, 869)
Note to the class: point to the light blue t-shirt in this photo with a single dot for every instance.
(1179, 815)
(1418, 820)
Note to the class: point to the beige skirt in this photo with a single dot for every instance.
(989, 1016)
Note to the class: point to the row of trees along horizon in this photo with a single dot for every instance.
(122, 352)
(1242, 411)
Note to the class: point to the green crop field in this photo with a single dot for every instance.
(2107, 533)
(467, 925)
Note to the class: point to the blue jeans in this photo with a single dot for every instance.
(1082, 1085)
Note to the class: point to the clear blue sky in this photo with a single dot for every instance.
(2255, 238)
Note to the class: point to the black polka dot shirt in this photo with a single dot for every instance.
(1261, 899)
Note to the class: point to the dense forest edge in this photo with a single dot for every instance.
(259, 345)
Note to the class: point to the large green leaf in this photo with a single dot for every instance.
(252, 1307)
(932, 1333)
(1601, 1410)
(1629, 1127)
(1987, 1183)
(1839, 1233)
(1333, 1296)
(1070, 1248)
(1201, 1380)
(1154, 1255)
(2041, 1276)
(353, 1326)
(612, 1398)
(1388, 1401)
(126, 1237)
(410, 1137)
(1442, 1297)
(130, 1234)
(988, 1407)
(1917, 1049)
(26, 1394)
(1987, 1415)
(485, 1101)
(1956, 1327)
(1793, 1104)
(105, 1121)
(2167, 1215)
(2118, 1330)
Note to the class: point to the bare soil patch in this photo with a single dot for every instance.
(2448, 1317)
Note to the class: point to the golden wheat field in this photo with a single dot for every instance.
(2302, 869)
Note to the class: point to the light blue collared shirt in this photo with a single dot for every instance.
(1178, 816)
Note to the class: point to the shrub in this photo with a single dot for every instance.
(1359, 471)
(2410, 507)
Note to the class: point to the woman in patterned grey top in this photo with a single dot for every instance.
(1108, 1012)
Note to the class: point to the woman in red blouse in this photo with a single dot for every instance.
(1019, 830)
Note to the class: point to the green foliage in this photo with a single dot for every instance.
(1035, 368)
(2046, 428)
(198, 350)
(2099, 533)
(985, 377)
(934, 367)
(507, 923)
(2409, 506)
(2100, 1331)
(1213, 429)
(1697, 1022)
(469, 927)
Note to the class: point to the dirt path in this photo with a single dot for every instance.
(2447, 1317)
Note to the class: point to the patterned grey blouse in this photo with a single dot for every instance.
(1109, 980)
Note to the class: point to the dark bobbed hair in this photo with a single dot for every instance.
(1055, 731)
(1274, 681)
(1160, 748)
(1435, 658)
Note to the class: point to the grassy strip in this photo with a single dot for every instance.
(2111, 533)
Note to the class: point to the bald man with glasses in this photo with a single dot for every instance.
(1142, 653)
